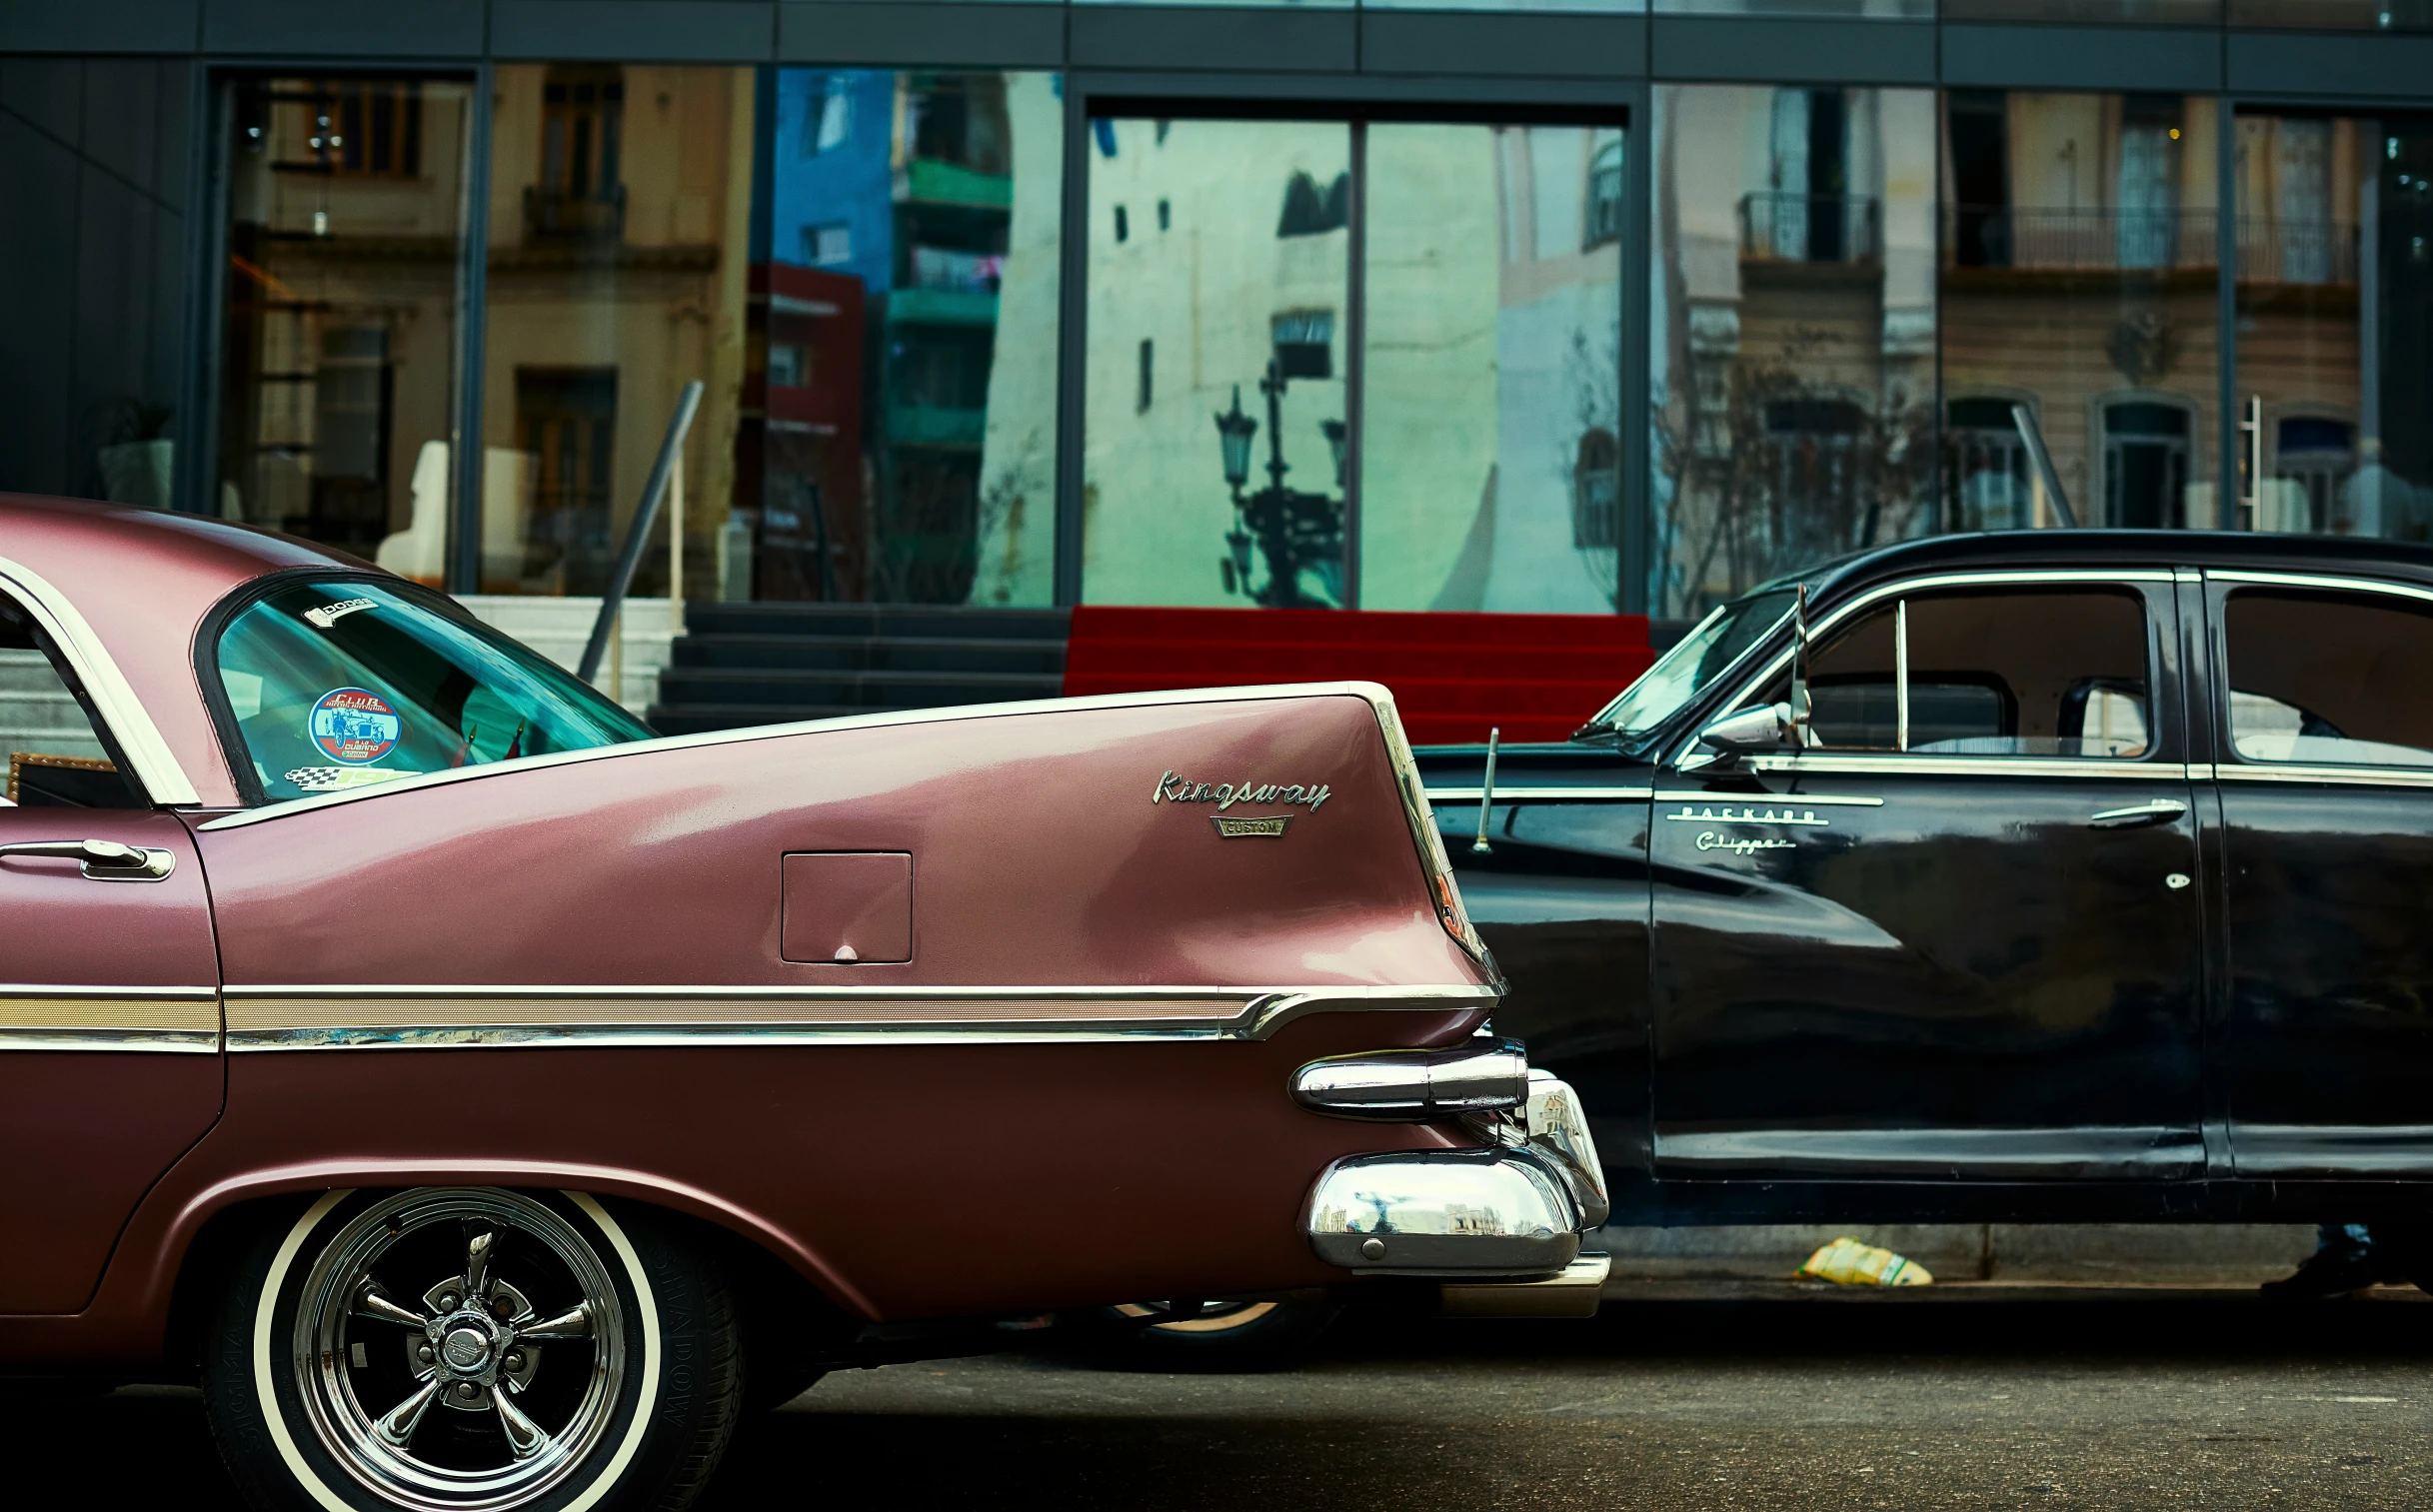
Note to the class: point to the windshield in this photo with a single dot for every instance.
(346, 684)
(1695, 661)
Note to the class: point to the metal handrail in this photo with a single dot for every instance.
(638, 535)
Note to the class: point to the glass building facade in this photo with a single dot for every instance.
(1552, 304)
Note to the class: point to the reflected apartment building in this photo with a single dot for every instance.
(1863, 294)
(1630, 307)
(614, 197)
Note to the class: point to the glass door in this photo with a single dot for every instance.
(339, 322)
(1353, 364)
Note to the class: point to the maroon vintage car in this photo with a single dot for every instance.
(477, 1093)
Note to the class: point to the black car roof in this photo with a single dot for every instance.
(1997, 550)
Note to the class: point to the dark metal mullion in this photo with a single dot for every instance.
(1356, 358)
(1634, 551)
(195, 479)
(2226, 356)
(464, 573)
(1072, 313)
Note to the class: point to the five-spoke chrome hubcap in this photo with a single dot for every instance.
(374, 1358)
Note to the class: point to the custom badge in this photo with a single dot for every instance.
(1173, 789)
(354, 725)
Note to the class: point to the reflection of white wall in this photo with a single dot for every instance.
(1016, 528)
(1203, 292)
(1490, 348)
(1429, 408)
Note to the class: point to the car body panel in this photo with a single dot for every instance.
(109, 1069)
(2024, 1026)
(569, 971)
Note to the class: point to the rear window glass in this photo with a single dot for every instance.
(344, 685)
(2333, 678)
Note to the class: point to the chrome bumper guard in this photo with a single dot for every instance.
(1513, 1210)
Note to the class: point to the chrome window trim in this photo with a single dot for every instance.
(2320, 582)
(1249, 1013)
(154, 765)
(2363, 775)
(1374, 693)
(1504, 795)
(1932, 584)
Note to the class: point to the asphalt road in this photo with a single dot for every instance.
(1959, 1398)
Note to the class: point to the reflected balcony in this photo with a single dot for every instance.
(558, 215)
(2271, 249)
(1780, 226)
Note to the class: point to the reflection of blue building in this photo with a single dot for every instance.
(830, 188)
(904, 182)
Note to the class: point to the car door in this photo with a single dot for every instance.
(109, 1000)
(2324, 767)
(1956, 938)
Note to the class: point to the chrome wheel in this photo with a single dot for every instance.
(459, 1349)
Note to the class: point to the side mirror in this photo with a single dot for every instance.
(1766, 728)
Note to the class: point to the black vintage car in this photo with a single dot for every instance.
(2065, 874)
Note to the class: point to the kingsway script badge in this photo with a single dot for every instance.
(1173, 789)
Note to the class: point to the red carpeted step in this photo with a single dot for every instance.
(1157, 664)
(1462, 729)
(1247, 627)
(1536, 676)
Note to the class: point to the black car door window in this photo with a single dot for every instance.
(2329, 680)
(2002, 672)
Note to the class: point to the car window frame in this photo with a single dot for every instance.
(2168, 736)
(2228, 764)
(85, 664)
(224, 723)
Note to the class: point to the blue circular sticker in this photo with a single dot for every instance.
(354, 725)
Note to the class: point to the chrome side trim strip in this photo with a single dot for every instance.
(1769, 670)
(347, 1016)
(1761, 800)
(2359, 776)
(152, 763)
(154, 1041)
(1892, 765)
(1506, 793)
(36, 1012)
(1372, 692)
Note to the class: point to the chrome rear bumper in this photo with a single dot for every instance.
(1515, 1210)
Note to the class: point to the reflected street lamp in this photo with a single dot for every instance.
(1335, 434)
(1233, 432)
(1294, 531)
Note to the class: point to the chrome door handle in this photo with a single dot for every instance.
(104, 860)
(2159, 812)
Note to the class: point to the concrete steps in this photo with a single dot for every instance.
(37, 713)
(559, 628)
(767, 664)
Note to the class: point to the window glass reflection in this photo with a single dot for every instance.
(2078, 310)
(1490, 467)
(1793, 330)
(338, 312)
(1219, 286)
(2335, 291)
(878, 420)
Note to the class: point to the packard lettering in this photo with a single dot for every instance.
(1173, 789)
(1710, 841)
(1727, 814)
